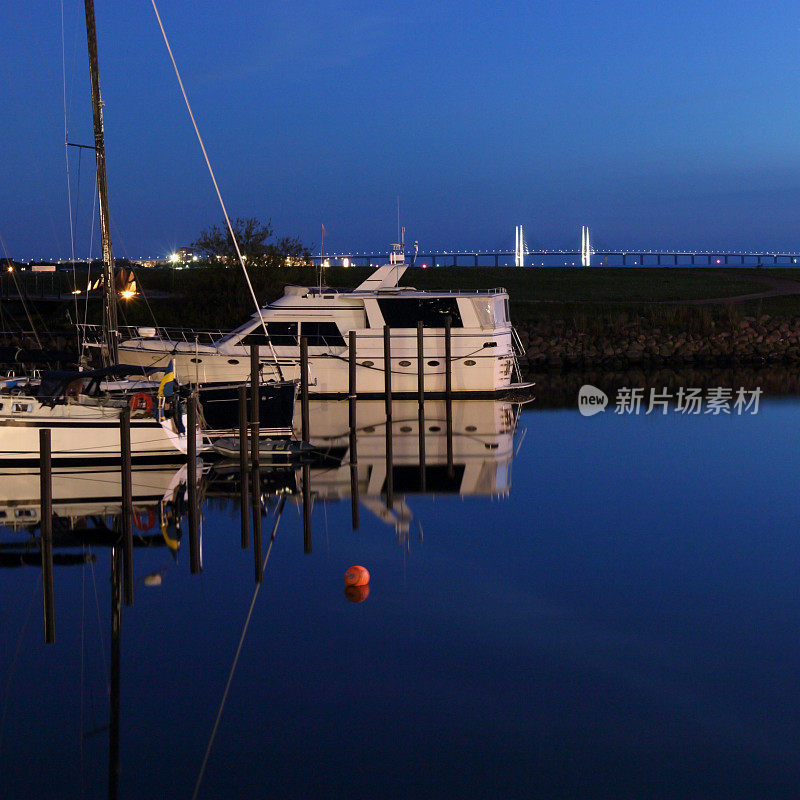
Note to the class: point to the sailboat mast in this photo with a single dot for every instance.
(109, 295)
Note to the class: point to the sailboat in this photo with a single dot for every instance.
(83, 409)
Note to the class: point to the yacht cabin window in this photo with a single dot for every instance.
(281, 334)
(406, 312)
(322, 334)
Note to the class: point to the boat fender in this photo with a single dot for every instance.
(356, 576)
(144, 520)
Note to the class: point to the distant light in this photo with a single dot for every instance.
(424, 266)
(127, 294)
(718, 261)
(345, 262)
(174, 258)
(76, 291)
(326, 263)
(10, 268)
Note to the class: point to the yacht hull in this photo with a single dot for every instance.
(81, 435)
(481, 365)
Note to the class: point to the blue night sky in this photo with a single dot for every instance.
(658, 125)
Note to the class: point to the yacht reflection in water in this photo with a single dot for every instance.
(380, 464)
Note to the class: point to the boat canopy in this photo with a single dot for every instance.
(55, 383)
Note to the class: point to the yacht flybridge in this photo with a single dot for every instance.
(483, 340)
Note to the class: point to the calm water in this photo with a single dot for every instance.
(611, 612)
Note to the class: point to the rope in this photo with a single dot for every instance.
(66, 158)
(238, 652)
(216, 188)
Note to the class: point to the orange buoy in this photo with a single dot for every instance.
(356, 594)
(356, 576)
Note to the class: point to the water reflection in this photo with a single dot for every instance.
(636, 584)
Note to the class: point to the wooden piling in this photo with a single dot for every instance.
(387, 383)
(46, 512)
(244, 504)
(255, 386)
(448, 390)
(305, 423)
(421, 402)
(195, 564)
(420, 363)
(127, 504)
(353, 393)
(387, 370)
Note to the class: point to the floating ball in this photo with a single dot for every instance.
(356, 576)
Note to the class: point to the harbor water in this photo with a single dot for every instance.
(576, 606)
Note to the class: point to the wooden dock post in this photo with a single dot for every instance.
(421, 401)
(127, 503)
(448, 390)
(195, 564)
(244, 504)
(305, 422)
(387, 383)
(352, 394)
(46, 511)
(255, 386)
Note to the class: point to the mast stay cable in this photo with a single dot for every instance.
(216, 188)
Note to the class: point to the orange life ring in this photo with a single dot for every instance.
(144, 520)
(143, 401)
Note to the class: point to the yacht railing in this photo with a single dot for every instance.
(94, 334)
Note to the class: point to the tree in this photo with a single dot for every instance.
(253, 238)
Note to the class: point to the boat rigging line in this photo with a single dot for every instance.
(219, 194)
(274, 533)
(66, 160)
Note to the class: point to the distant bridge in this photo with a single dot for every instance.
(611, 258)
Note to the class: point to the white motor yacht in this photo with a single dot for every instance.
(482, 340)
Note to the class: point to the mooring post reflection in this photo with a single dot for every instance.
(387, 361)
(126, 520)
(421, 401)
(353, 421)
(244, 504)
(307, 508)
(115, 668)
(257, 548)
(194, 512)
(46, 528)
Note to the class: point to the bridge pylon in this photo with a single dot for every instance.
(586, 248)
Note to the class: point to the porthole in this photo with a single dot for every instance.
(471, 428)
(433, 363)
(469, 362)
(369, 429)
(233, 360)
(367, 363)
(405, 363)
(196, 360)
(406, 429)
(434, 429)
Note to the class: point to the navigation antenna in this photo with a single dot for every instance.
(109, 295)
